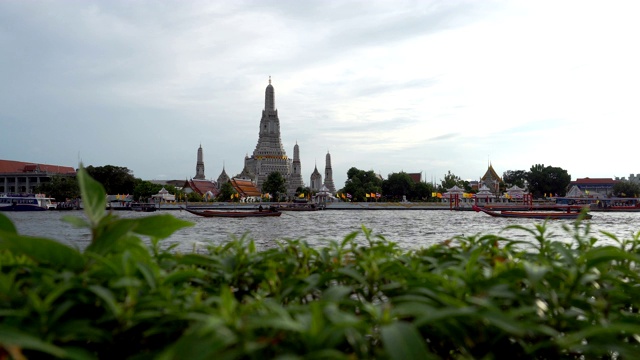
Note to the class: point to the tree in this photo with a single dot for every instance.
(397, 185)
(276, 185)
(515, 177)
(60, 188)
(226, 192)
(626, 188)
(115, 179)
(360, 182)
(421, 191)
(450, 180)
(143, 190)
(552, 180)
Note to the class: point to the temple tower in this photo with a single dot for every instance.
(199, 165)
(316, 180)
(223, 178)
(295, 179)
(269, 155)
(328, 175)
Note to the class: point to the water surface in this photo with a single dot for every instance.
(410, 229)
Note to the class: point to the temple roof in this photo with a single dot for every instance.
(245, 188)
(201, 186)
(491, 173)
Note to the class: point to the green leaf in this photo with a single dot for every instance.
(107, 296)
(13, 337)
(43, 250)
(94, 198)
(402, 341)
(159, 226)
(6, 225)
(108, 235)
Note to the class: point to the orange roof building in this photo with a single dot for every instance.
(246, 188)
(24, 177)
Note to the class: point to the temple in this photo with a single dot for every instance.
(295, 179)
(328, 175)
(199, 165)
(269, 155)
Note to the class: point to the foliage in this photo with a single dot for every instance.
(275, 184)
(194, 197)
(360, 182)
(60, 188)
(626, 188)
(421, 191)
(450, 180)
(143, 190)
(553, 180)
(227, 192)
(515, 177)
(305, 191)
(474, 297)
(399, 184)
(114, 179)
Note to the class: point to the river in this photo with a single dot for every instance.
(410, 229)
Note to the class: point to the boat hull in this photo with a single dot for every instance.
(534, 215)
(22, 207)
(234, 214)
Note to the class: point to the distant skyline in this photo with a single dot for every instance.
(388, 86)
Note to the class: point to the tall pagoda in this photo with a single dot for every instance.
(269, 155)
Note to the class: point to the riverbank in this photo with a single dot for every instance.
(330, 206)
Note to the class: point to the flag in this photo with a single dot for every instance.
(349, 195)
(378, 195)
(433, 194)
(367, 195)
(301, 195)
(373, 195)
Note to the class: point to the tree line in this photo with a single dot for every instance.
(539, 180)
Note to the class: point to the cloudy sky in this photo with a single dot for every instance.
(389, 86)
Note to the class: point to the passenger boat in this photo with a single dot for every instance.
(234, 214)
(553, 215)
(26, 202)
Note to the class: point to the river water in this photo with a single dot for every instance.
(410, 229)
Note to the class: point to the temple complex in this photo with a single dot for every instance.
(269, 156)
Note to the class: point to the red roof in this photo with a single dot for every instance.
(245, 187)
(416, 177)
(202, 186)
(10, 166)
(590, 181)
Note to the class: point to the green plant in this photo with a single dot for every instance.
(474, 297)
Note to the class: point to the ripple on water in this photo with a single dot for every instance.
(411, 229)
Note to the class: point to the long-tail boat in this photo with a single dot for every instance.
(535, 214)
(233, 214)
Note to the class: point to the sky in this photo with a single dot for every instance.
(389, 86)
